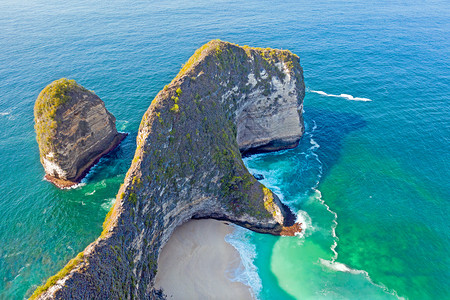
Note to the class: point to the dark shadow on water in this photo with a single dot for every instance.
(115, 162)
(332, 128)
(299, 173)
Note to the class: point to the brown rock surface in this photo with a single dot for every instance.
(188, 164)
(74, 130)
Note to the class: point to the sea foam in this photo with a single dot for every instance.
(108, 203)
(340, 267)
(247, 273)
(305, 224)
(317, 196)
(345, 96)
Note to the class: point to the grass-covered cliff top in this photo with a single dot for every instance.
(187, 164)
(218, 47)
(52, 97)
(52, 280)
(193, 121)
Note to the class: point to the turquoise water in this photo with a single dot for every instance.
(381, 167)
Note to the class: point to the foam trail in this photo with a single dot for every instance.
(333, 264)
(122, 124)
(318, 196)
(316, 192)
(4, 113)
(247, 273)
(340, 267)
(108, 204)
(81, 184)
(306, 224)
(345, 96)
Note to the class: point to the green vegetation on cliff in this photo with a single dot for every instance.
(49, 100)
(52, 280)
(223, 53)
(188, 164)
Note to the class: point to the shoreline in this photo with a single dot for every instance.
(196, 263)
(67, 184)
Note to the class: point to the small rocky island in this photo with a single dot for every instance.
(74, 130)
(226, 101)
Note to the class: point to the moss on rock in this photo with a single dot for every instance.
(73, 130)
(225, 100)
(50, 99)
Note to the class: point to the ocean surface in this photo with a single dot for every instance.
(369, 180)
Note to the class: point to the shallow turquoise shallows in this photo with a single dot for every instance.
(369, 180)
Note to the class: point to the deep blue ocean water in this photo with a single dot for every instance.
(370, 179)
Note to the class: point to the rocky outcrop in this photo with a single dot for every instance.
(74, 130)
(188, 164)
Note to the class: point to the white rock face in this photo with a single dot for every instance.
(271, 121)
(188, 164)
(53, 169)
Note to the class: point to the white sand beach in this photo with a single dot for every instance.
(195, 262)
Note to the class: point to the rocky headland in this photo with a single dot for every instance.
(226, 101)
(74, 130)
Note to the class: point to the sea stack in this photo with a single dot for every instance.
(74, 130)
(225, 101)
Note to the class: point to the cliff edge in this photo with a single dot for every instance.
(226, 100)
(73, 129)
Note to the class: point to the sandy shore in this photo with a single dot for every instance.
(195, 262)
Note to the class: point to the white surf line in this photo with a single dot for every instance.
(345, 96)
(333, 227)
(340, 267)
(108, 204)
(248, 275)
(333, 264)
(81, 184)
(316, 190)
(8, 113)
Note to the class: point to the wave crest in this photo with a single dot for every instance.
(345, 96)
(247, 273)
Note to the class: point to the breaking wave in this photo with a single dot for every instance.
(247, 273)
(340, 267)
(317, 195)
(306, 224)
(345, 96)
(108, 203)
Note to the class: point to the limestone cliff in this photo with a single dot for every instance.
(74, 130)
(188, 164)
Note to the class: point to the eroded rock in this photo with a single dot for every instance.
(188, 164)
(74, 130)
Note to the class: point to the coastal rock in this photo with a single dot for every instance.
(74, 130)
(258, 176)
(226, 100)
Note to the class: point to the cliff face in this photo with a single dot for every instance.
(188, 164)
(73, 129)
